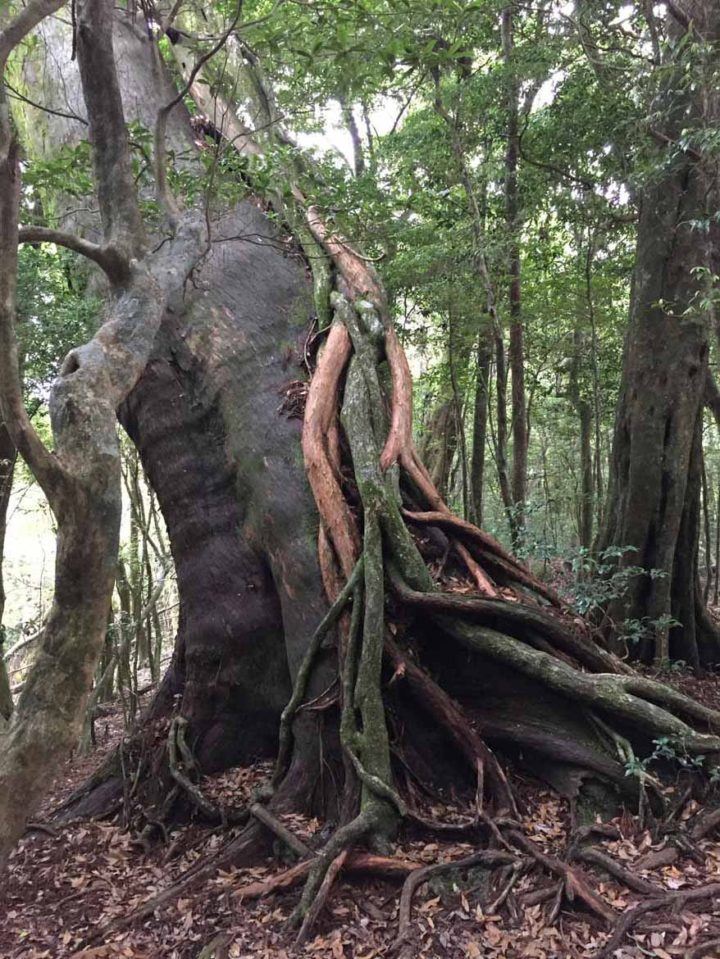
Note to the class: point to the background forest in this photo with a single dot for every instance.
(527, 194)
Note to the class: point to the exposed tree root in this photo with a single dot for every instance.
(282, 832)
(544, 644)
(357, 863)
(576, 885)
(596, 858)
(486, 857)
(449, 715)
(675, 900)
(321, 897)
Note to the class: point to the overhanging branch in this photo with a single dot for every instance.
(110, 260)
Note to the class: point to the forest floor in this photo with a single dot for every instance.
(65, 885)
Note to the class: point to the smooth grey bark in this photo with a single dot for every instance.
(221, 456)
(82, 477)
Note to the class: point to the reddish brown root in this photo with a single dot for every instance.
(320, 412)
(577, 885)
(491, 549)
(321, 897)
(357, 272)
(400, 434)
(357, 863)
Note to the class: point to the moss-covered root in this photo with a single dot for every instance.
(616, 697)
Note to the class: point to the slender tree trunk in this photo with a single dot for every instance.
(354, 131)
(707, 578)
(596, 397)
(439, 441)
(584, 413)
(480, 418)
(516, 352)
(501, 432)
(7, 468)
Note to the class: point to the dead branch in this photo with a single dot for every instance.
(282, 832)
(576, 885)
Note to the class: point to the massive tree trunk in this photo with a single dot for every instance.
(653, 504)
(289, 499)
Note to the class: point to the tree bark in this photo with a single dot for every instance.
(279, 529)
(653, 501)
(480, 418)
(516, 352)
(7, 469)
(584, 413)
(81, 478)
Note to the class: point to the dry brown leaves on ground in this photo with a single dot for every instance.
(64, 887)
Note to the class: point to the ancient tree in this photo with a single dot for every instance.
(253, 361)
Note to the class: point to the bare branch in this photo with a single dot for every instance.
(107, 257)
(16, 95)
